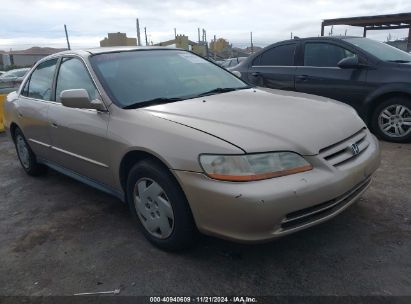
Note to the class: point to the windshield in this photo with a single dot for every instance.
(132, 78)
(380, 50)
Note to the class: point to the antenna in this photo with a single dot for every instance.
(67, 38)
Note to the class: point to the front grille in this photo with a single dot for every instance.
(314, 213)
(341, 152)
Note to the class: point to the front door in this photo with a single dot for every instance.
(79, 136)
(320, 74)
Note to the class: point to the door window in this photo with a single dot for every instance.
(25, 90)
(41, 80)
(282, 55)
(324, 54)
(74, 75)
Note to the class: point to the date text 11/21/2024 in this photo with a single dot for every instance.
(204, 299)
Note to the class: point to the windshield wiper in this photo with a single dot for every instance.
(399, 61)
(152, 102)
(162, 100)
(221, 90)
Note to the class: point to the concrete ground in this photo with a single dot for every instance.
(60, 237)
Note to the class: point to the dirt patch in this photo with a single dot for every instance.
(34, 238)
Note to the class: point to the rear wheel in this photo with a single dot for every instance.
(159, 206)
(26, 156)
(392, 120)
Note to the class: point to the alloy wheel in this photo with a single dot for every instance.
(395, 120)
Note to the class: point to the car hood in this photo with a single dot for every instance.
(258, 120)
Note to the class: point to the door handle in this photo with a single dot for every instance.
(302, 77)
(255, 74)
(54, 125)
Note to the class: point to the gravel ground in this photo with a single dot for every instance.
(60, 237)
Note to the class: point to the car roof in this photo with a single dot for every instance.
(102, 50)
(127, 48)
(319, 38)
(113, 49)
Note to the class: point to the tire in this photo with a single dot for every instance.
(26, 156)
(160, 207)
(391, 120)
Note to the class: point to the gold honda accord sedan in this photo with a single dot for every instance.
(188, 145)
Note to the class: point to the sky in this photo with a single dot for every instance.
(27, 23)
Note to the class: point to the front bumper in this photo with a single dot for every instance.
(262, 210)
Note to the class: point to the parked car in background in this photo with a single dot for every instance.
(2, 72)
(232, 62)
(190, 146)
(13, 78)
(373, 77)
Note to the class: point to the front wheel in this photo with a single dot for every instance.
(159, 206)
(392, 120)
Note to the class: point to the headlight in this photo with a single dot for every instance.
(252, 167)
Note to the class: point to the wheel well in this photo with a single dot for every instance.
(381, 98)
(130, 159)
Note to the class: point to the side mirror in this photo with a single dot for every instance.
(79, 98)
(349, 63)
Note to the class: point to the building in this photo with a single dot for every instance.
(118, 39)
(182, 42)
(26, 58)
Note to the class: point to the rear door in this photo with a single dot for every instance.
(320, 74)
(33, 106)
(79, 136)
(274, 68)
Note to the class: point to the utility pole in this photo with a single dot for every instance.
(68, 42)
(145, 34)
(205, 42)
(291, 35)
(175, 33)
(251, 38)
(215, 47)
(198, 29)
(138, 33)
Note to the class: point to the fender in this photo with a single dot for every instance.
(400, 87)
(391, 88)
